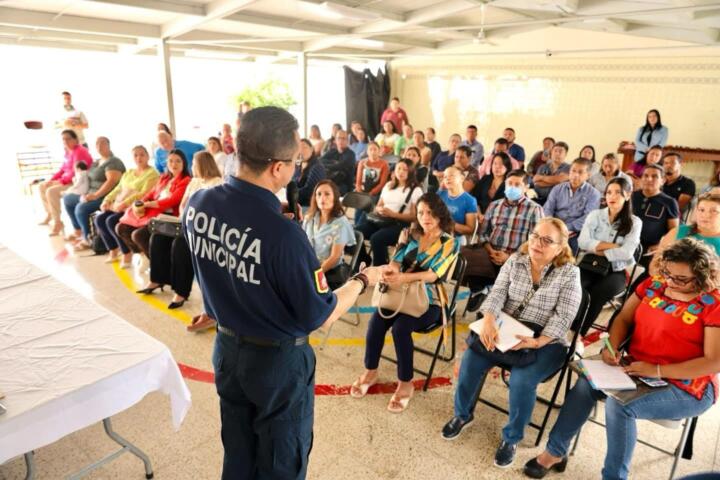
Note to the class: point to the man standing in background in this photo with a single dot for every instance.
(72, 119)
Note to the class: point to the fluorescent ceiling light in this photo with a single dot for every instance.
(340, 12)
(366, 43)
(196, 53)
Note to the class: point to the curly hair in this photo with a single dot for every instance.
(565, 255)
(439, 210)
(700, 257)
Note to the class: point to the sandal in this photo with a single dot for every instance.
(398, 404)
(80, 246)
(359, 389)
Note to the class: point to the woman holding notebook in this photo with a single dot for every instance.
(540, 287)
(675, 323)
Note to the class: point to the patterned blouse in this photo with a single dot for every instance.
(554, 304)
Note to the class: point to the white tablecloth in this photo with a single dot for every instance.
(67, 363)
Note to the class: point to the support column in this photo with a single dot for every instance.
(302, 91)
(164, 50)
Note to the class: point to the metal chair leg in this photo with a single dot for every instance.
(551, 405)
(30, 465)
(434, 360)
(680, 447)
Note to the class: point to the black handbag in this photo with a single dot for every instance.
(165, 226)
(597, 264)
(382, 222)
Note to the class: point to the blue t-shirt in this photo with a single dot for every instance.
(258, 274)
(324, 237)
(442, 161)
(188, 148)
(459, 206)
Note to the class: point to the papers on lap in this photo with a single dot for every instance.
(606, 377)
(509, 328)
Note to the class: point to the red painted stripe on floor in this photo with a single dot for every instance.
(192, 373)
(62, 255)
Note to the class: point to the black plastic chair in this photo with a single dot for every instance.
(359, 201)
(561, 373)
(456, 275)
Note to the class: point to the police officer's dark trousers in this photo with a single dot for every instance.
(267, 396)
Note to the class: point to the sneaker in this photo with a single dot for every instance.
(452, 429)
(505, 454)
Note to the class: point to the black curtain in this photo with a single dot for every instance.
(366, 98)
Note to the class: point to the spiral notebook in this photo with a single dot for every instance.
(606, 377)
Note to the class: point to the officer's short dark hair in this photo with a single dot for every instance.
(266, 134)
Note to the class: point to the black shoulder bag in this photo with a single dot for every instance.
(598, 264)
(382, 222)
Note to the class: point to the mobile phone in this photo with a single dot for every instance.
(653, 382)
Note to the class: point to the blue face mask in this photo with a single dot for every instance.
(513, 193)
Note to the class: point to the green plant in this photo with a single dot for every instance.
(269, 92)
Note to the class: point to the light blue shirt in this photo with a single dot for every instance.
(659, 137)
(188, 148)
(323, 237)
(478, 152)
(597, 229)
(572, 208)
(359, 149)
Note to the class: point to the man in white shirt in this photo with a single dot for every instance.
(73, 119)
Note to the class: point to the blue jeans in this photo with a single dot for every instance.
(621, 431)
(105, 225)
(79, 212)
(523, 386)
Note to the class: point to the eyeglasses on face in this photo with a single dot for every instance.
(678, 280)
(544, 241)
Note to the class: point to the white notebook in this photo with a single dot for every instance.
(606, 377)
(508, 329)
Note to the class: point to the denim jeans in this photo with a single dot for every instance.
(380, 239)
(621, 431)
(523, 386)
(79, 212)
(105, 223)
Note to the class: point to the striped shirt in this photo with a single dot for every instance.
(553, 306)
(507, 225)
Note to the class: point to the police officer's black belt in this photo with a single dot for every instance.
(262, 342)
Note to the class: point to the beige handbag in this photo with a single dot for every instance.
(408, 298)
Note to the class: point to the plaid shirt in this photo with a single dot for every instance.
(553, 306)
(507, 225)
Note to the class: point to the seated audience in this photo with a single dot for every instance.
(501, 146)
(462, 206)
(684, 353)
(612, 232)
(653, 133)
(431, 249)
(316, 139)
(552, 173)
(658, 212)
(308, 173)
(372, 172)
(477, 149)
(102, 176)
(539, 286)
(167, 143)
(329, 232)
(225, 162)
(387, 138)
(609, 169)
(353, 137)
(505, 227)
(421, 171)
(463, 156)
(80, 183)
(394, 211)
(405, 140)
(573, 200)
(339, 164)
(588, 152)
(541, 157)
(359, 146)
(395, 115)
(134, 185)
(170, 259)
(165, 197)
(514, 150)
(329, 144)
(432, 144)
(714, 180)
(228, 141)
(652, 157)
(678, 186)
(492, 187)
(425, 151)
(446, 158)
(51, 190)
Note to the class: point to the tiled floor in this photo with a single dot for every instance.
(354, 439)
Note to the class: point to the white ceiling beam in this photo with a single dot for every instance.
(56, 44)
(215, 10)
(383, 13)
(159, 5)
(72, 23)
(404, 40)
(288, 23)
(706, 36)
(39, 34)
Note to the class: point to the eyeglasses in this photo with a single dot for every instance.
(676, 279)
(545, 241)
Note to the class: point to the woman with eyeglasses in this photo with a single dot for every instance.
(612, 234)
(540, 287)
(672, 322)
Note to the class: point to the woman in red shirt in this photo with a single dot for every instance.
(165, 197)
(674, 319)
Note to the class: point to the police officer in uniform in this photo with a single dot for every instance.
(263, 284)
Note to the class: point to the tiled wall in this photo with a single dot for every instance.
(598, 101)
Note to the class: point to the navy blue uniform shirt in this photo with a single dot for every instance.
(257, 271)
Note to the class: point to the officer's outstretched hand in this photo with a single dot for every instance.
(374, 275)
